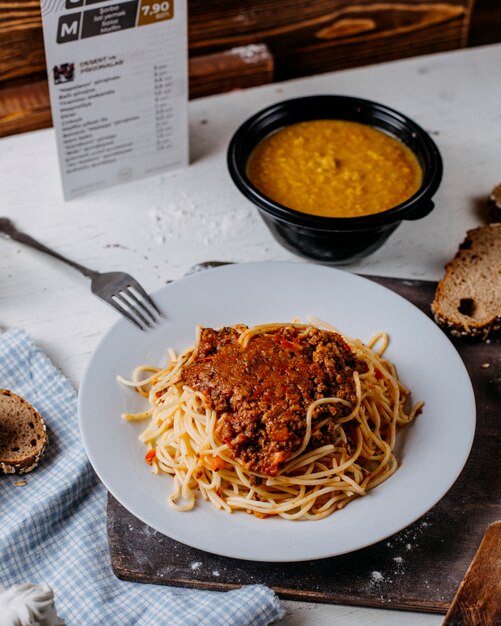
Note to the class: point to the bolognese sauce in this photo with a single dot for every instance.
(261, 391)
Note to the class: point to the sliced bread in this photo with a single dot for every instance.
(468, 298)
(495, 198)
(23, 435)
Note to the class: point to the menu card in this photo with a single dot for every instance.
(118, 86)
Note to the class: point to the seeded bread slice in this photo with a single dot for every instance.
(23, 436)
(468, 298)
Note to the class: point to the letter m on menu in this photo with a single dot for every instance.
(68, 27)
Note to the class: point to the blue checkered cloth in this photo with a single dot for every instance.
(53, 529)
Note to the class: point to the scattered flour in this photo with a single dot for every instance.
(149, 532)
(169, 222)
(377, 577)
(196, 565)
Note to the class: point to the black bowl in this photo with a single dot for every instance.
(334, 240)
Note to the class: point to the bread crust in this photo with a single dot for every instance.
(28, 416)
(474, 257)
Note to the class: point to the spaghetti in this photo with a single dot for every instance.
(329, 443)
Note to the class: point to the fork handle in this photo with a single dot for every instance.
(7, 228)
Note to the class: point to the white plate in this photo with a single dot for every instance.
(432, 451)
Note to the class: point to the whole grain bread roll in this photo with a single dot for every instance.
(23, 435)
(468, 298)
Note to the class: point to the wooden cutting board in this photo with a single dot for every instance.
(478, 600)
(419, 568)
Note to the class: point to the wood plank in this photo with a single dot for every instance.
(21, 39)
(485, 25)
(419, 568)
(24, 108)
(310, 37)
(478, 600)
(237, 68)
(226, 23)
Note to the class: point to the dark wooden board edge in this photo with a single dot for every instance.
(123, 571)
(286, 593)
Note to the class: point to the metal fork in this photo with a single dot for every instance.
(119, 289)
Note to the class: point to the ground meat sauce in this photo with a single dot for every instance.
(261, 393)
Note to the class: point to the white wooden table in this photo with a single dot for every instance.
(158, 228)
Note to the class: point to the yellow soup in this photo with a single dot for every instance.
(334, 168)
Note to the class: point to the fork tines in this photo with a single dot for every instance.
(136, 305)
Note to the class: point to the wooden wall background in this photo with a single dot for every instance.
(238, 44)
